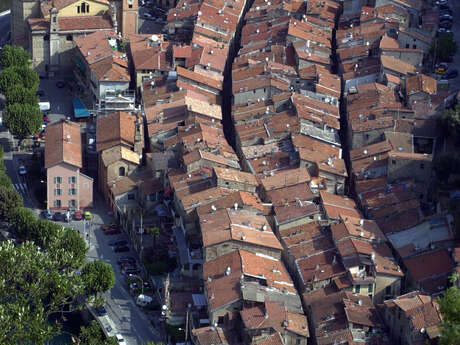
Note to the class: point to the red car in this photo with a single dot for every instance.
(112, 232)
(78, 215)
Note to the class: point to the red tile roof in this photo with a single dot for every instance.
(63, 144)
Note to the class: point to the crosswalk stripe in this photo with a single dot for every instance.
(24, 187)
(16, 186)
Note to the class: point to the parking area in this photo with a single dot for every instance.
(60, 98)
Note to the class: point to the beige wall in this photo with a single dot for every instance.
(401, 168)
(381, 282)
(215, 251)
(298, 222)
(85, 191)
(64, 171)
(95, 8)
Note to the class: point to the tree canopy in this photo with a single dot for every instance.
(9, 200)
(8, 78)
(14, 56)
(449, 306)
(92, 335)
(443, 47)
(19, 94)
(29, 77)
(98, 276)
(23, 120)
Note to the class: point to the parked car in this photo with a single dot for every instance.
(22, 170)
(445, 24)
(147, 15)
(441, 2)
(120, 339)
(130, 270)
(101, 310)
(58, 216)
(445, 11)
(88, 215)
(444, 7)
(127, 259)
(46, 214)
(118, 243)
(444, 31)
(78, 215)
(115, 231)
(450, 74)
(121, 249)
(60, 84)
(40, 93)
(443, 17)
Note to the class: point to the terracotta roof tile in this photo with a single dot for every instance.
(285, 178)
(210, 336)
(63, 144)
(117, 128)
(84, 23)
(421, 83)
(397, 65)
(430, 264)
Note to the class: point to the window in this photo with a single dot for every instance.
(393, 161)
(422, 166)
(121, 171)
(72, 191)
(361, 268)
(72, 179)
(153, 197)
(57, 191)
(130, 196)
(57, 203)
(46, 37)
(407, 45)
(414, 46)
(69, 38)
(297, 341)
(72, 203)
(84, 8)
(54, 19)
(220, 320)
(356, 288)
(58, 179)
(388, 290)
(370, 288)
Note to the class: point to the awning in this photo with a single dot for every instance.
(79, 109)
(161, 211)
(199, 300)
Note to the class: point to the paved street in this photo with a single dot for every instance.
(60, 99)
(454, 84)
(130, 321)
(4, 27)
(147, 26)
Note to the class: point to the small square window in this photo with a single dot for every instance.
(72, 179)
(57, 191)
(356, 288)
(57, 203)
(130, 196)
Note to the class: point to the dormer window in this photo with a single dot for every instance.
(83, 8)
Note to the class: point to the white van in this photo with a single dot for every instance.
(44, 106)
(143, 300)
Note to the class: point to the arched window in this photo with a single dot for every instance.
(83, 8)
(121, 171)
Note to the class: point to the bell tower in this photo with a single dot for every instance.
(127, 16)
(21, 10)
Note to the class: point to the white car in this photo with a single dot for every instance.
(120, 339)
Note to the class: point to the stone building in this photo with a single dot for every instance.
(48, 28)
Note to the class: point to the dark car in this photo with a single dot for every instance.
(131, 270)
(445, 11)
(118, 243)
(127, 259)
(112, 232)
(40, 93)
(445, 24)
(444, 7)
(101, 310)
(60, 84)
(128, 264)
(46, 214)
(58, 216)
(451, 74)
(121, 249)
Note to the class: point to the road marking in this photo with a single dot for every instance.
(24, 186)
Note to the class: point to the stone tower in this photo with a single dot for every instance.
(127, 16)
(21, 10)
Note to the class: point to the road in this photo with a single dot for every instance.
(128, 318)
(4, 27)
(454, 84)
(147, 26)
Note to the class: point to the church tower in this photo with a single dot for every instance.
(127, 16)
(21, 10)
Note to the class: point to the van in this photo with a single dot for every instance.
(44, 106)
(143, 300)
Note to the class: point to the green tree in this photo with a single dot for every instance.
(445, 164)
(450, 122)
(151, 343)
(443, 48)
(9, 78)
(32, 287)
(22, 220)
(92, 335)
(449, 306)
(23, 120)
(98, 277)
(9, 200)
(14, 56)
(28, 76)
(69, 248)
(19, 94)
(4, 178)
